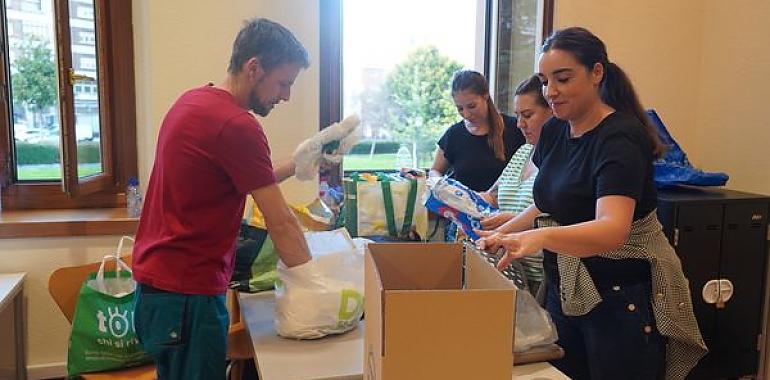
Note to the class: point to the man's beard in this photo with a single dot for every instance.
(258, 107)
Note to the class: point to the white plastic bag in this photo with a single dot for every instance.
(325, 295)
(533, 324)
(117, 285)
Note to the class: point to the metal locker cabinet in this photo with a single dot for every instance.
(721, 234)
(742, 261)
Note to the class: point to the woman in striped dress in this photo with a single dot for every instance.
(512, 193)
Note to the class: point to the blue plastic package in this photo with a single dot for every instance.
(674, 168)
(456, 202)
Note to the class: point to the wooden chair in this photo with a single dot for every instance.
(64, 286)
(239, 347)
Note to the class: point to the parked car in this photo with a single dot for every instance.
(34, 135)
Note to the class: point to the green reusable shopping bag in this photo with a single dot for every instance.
(255, 261)
(388, 206)
(263, 270)
(103, 335)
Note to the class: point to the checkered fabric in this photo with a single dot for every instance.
(671, 301)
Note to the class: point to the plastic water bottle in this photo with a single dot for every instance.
(133, 198)
(403, 158)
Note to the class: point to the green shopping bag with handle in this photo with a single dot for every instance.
(103, 335)
(384, 205)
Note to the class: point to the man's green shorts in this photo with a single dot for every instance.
(185, 334)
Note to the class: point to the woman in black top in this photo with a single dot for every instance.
(477, 148)
(596, 178)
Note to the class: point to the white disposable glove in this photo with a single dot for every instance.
(309, 153)
(346, 143)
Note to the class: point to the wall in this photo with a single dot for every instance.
(731, 132)
(657, 43)
(183, 44)
(703, 65)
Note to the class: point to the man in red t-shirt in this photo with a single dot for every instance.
(211, 154)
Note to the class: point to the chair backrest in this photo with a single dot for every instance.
(64, 284)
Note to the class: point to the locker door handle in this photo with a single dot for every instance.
(676, 237)
(718, 292)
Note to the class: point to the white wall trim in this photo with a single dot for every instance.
(47, 370)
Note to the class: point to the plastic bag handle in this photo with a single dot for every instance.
(120, 245)
(119, 265)
(118, 252)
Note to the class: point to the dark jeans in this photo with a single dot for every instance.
(618, 339)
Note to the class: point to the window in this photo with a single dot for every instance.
(88, 38)
(86, 12)
(400, 88)
(397, 77)
(518, 38)
(87, 63)
(31, 5)
(32, 28)
(67, 119)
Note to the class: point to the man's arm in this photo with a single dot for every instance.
(282, 226)
(284, 170)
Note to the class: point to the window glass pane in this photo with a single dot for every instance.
(516, 50)
(398, 60)
(34, 89)
(86, 90)
(31, 5)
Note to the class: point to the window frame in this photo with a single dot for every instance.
(330, 59)
(114, 35)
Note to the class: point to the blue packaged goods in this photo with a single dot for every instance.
(674, 168)
(453, 200)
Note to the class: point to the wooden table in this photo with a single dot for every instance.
(13, 363)
(337, 357)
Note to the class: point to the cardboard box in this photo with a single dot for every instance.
(429, 318)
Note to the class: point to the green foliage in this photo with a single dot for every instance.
(36, 154)
(379, 162)
(418, 91)
(33, 77)
(89, 152)
(380, 147)
(40, 154)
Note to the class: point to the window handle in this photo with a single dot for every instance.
(74, 78)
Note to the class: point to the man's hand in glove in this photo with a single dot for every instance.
(330, 144)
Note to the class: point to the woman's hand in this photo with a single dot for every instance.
(487, 196)
(521, 244)
(489, 241)
(497, 220)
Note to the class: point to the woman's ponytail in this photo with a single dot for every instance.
(618, 92)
